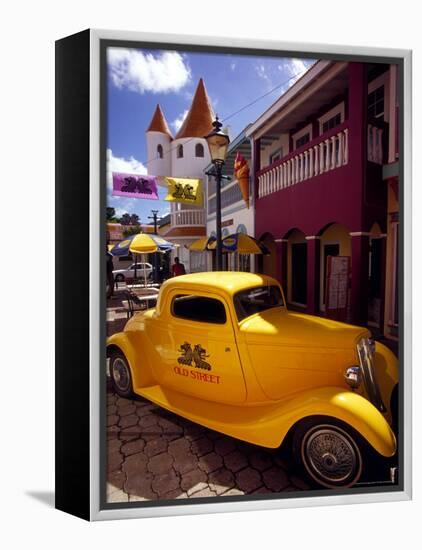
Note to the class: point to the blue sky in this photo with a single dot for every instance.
(139, 79)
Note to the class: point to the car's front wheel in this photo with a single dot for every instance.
(329, 453)
(120, 374)
(119, 278)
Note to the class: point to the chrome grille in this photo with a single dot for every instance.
(366, 353)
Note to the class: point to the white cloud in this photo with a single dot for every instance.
(120, 211)
(262, 72)
(144, 72)
(288, 70)
(164, 212)
(177, 123)
(118, 164)
(295, 68)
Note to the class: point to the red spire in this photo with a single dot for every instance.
(198, 122)
(159, 123)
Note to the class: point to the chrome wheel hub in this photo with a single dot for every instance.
(331, 457)
(120, 374)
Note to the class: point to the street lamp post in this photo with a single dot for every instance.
(154, 217)
(218, 143)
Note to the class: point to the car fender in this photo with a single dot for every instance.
(139, 364)
(347, 406)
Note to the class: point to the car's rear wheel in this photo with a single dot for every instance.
(120, 374)
(329, 453)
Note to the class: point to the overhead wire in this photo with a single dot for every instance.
(228, 117)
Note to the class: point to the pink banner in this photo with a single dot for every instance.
(135, 186)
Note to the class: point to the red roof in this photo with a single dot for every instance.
(159, 123)
(198, 122)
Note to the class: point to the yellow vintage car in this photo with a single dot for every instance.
(221, 349)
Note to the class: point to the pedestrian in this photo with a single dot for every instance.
(177, 268)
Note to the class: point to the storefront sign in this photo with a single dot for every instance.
(227, 223)
(337, 287)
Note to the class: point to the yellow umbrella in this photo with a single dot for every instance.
(144, 243)
(204, 243)
(243, 244)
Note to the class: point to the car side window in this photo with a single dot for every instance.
(198, 308)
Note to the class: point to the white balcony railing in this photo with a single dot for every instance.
(326, 155)
(188, 217)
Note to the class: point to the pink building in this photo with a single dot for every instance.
(319, 154)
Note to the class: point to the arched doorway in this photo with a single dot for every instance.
(297, 268)
(335, 240)
(267, 263)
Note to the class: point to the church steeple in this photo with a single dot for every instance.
(159, 123)
(198, 121)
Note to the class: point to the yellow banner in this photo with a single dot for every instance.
(184, 190)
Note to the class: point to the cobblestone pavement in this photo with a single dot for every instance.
(154, 454)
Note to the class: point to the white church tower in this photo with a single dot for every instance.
(159, 140)
(184, 156)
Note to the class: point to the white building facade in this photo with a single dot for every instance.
(186, 156)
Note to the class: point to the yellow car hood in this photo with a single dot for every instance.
(281, 327)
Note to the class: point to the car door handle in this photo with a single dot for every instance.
(227, 349)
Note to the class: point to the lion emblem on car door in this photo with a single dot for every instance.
(196, 356)
(187, 354)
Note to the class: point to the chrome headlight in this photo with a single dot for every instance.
(366, 353)
(353, 376)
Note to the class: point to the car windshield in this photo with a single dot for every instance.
(257, 299)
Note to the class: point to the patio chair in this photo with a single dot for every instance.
(133, 304)
(147, 296)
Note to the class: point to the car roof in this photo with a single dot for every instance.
(228, 281)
